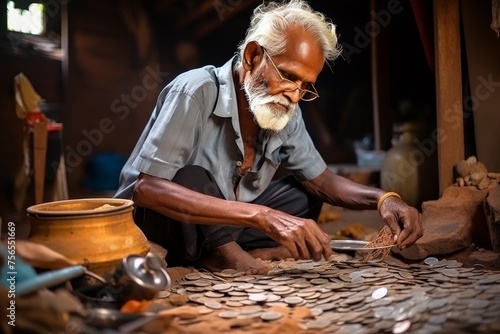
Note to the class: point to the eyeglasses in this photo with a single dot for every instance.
(288, 85)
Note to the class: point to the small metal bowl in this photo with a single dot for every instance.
(353, 245)
(98, 296)
(102, 318)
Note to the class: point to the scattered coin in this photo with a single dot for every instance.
(430, 261)
(351, 296)
(193, 276)
(379, 293)
(293, 300)
(163, 294)
(257, 297)
(401, 327)
(228, 314)
(213, 304)
(222, 287)
(271, 316)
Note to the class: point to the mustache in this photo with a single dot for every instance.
(258, 90)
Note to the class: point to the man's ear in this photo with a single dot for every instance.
(252, 55)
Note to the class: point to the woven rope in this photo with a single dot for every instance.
(383, 238)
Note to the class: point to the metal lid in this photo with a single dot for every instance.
(147, 271)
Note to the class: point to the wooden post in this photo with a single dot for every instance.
(450, 135)
(39, 157)
(381, 95)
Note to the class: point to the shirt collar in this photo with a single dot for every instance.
(227, 105)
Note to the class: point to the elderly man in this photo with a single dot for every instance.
(201, 174)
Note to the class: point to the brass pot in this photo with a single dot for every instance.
(95, 232)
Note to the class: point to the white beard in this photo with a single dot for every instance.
(263, 106)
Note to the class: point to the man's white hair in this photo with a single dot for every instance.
(270, 22)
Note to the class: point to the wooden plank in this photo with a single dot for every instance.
(39, 157)
(380, 69)
(450, 129)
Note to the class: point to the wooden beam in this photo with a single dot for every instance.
(380, 70)
(450, 129)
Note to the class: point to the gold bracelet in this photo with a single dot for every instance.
(384, 197)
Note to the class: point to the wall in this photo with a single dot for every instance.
(482, 106)
(114, 79)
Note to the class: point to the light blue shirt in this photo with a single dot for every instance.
(195, 122)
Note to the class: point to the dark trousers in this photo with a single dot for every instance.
(185, 241)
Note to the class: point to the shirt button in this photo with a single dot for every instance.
(239, 163)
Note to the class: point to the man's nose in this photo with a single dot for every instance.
(293, 95)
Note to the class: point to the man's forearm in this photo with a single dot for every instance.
(340, 191)
(188, 206)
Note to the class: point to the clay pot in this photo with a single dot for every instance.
(95, 232)
(410, 166)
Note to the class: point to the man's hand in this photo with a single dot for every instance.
(404, 221)
(302, 237)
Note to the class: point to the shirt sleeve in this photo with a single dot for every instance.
(298, 153)
(173, 136)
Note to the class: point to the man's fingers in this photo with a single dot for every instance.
(303, 250)
(292, 248)
(316, 248)
(394, 226)
(411, 232)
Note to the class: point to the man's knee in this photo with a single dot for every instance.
(198, 179)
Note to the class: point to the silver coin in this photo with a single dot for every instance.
(213, 294)
(163, 294)
(318, 281)
(355, 274)
(212, 304)
(272, 298)
(450, 272)
(233, 303)
(222, 287)
(358, 280)
(318, 324)
(430, 261)
(271, 316)
(242, 286)
(228, 314)
(257, 297)
(401, 327)
(202, 283)
(195, 289)
(479, 304)
(379, 293)
(301, 285)
(204, 310)
(244, 279)
(316, 311)
(293, 300)
(193, 276)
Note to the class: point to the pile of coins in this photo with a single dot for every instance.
(353, 296)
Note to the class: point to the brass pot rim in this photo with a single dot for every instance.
(48, 210)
